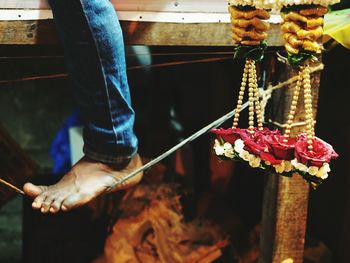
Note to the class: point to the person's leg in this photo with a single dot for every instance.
(94, 48)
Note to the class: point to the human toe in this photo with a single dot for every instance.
(34, 190)
(56, 205)
(46, 205)
(39, 200)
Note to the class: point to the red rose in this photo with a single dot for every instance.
(322, 152)
(228, 135)
(267, 131)
(280, 149)
(256, 144)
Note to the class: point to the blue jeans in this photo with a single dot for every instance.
(94, 50)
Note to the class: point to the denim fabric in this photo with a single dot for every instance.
(94, 49)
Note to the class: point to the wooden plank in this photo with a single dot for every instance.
(166, 17)
(15, 166)
(212, 6)
(140, 16)
(285, 203)
(42, 32)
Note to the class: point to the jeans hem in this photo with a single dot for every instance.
(105, 158)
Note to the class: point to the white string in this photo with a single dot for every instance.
(295, 124)
(265, 94)
(194, 136)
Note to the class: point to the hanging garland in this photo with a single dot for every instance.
(249, 34)
(302, 31)
(260, 147)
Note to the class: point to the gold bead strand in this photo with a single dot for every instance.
(293, 106)
(241, 94)
(251, 96)
(311, 117)
(308, 107)
(257, 98)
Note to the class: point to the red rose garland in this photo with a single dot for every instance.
(245, 144)
(256, 145)
(263, 148)
(306, 155)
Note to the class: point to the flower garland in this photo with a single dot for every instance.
(259, 4)
(260, 147)
(249, 31)
(269, 150)
(326, 3)
(277, 4)
(302, 29)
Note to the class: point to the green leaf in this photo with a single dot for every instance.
(298, 59)
(245, 7)
(250, 52)
(296, 8)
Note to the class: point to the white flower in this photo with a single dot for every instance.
(254, 161)
(218, 148)
(320, 172)
(239, 145)
(227, 146)
(244, 155)
(299, 166)
(326, 167)
(279, 167)
(267, 163)
(305, 2)
(323, 171)
(313, 170)
(267, 4)
(228, 150)
(288, 166)
(229, 154)
(284, 166)
(325, 176)
(276, 4)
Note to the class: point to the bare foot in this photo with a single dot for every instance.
(86, 180)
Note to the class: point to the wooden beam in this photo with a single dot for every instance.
(285, 204)
(205, 6)
(42, 32)
(28, 32)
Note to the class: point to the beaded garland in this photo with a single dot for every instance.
(302, 29)
(306, 154)
(249, 34)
